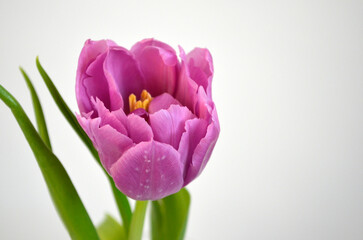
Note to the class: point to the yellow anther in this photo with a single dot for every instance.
(145, 104)
(138, 104)
(144, 101)
(145, 95)
(132, 102)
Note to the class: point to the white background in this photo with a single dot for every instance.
(288, 87)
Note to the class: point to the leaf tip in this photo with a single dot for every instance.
(37, 62)
(22, 70)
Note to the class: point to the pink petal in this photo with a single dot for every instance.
(90, 51)
(148, 171)
(159, 65)
(90, 80)
(139, 130)
(203, 105)
(140, 46)
(200, 65)
(168, 125)
(203, 150)
(162, 101)
(116, 119)
(93, 84)
(195, 130)
(187, 88)
(109, 143)
(200, 137)
(122, 74)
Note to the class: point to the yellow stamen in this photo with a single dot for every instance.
(145, 104)
(132, 102)
(138, 104)
(144, 101)
(145, 95)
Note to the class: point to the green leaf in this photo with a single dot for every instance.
(67, 113)
(39, 116)
(110, 229)
(64, 195)
(137, 221)
(156, 222)
(169, 216)
(121, 200)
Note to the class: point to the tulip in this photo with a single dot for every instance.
(150, 117)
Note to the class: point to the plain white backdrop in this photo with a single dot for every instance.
(288, 87)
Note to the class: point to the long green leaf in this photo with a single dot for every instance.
(39, 116)
(67, 113)
(169, 216)
(110, 229)
(62, 191)
(121, 200)
(137, 221)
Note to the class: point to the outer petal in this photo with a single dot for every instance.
(116, 119)
(168, 125)
(109, 143)
(148, 171)
(203, 105)
(139, 130)
(140, 46)
(200, 66)
(203, 150)
(90, 51)
(159, 65)
(123, 75)
(90, 79)
(187, 88)
(195, 130)
(201, 138)
(162, 101)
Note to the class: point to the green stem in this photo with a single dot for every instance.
(137, 220)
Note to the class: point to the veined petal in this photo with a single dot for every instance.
(168, 125)
(90, 80)
(123, 75)
(162, 101)
(159, 65)
(93, 85)
(187, 88)
(139, 130)
(201, 137)
(148, 171)
(109, 143)
(90, 51)
(203, 105)
(203, 150)
(200, 65)
(195, 130)
(140, 46)
(116, 119)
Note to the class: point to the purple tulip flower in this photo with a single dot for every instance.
(150, 117)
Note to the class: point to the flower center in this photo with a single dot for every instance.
(144, 101)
